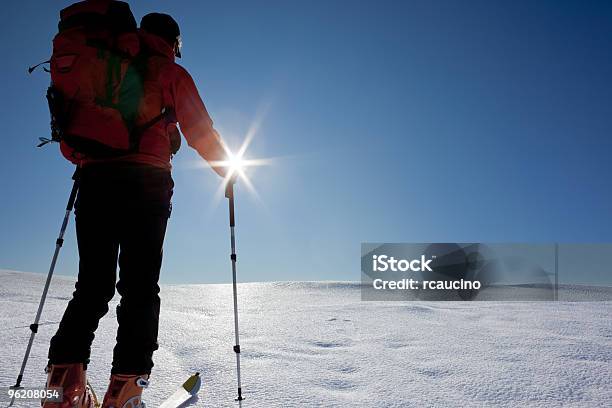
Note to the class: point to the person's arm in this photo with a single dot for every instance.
(196, 124)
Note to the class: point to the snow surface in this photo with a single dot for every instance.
(316, 344)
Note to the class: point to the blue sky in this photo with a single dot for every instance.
(392, 121)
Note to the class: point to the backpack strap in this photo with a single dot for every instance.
(167, 113)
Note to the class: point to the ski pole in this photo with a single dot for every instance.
(58, 245)
(229, 193)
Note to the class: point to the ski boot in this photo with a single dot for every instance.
(72, 378)
(125, 391)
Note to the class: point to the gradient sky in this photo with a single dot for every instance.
(391, 121)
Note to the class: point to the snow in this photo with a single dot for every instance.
(316, 344)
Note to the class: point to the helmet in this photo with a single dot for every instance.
(164, 26)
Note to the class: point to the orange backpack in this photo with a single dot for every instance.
(95, 85)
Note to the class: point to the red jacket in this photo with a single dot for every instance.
(167, 84)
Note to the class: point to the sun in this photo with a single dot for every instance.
(238, 166)
(235, 163)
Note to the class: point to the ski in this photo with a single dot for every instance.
(184, 393)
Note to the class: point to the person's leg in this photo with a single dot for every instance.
(144, 226)
(98, 248)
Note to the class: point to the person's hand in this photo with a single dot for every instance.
(220, 170)
(233, 178)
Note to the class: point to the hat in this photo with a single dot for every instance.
(164, 26)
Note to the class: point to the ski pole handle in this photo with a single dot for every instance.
(229, 188)
(229, 193)
(75, 188)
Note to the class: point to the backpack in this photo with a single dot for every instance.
(96, 86)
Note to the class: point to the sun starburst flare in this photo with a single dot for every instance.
(237, 166)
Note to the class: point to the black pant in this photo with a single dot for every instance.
(121, 213)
